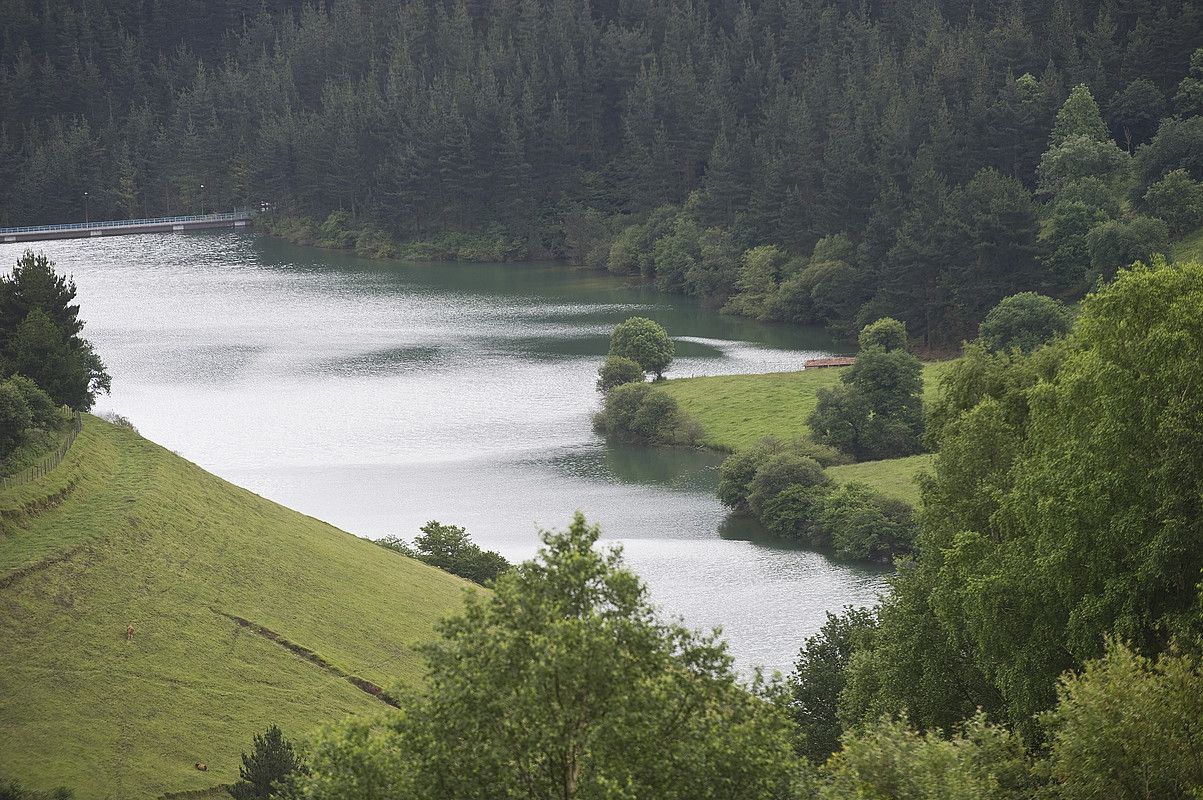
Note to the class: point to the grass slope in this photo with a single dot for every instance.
(125, 532)
(736, 411)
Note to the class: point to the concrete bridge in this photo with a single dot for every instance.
(79, 230)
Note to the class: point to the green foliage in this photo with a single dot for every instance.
(891, 761)
(1082, 158)
(878, 411)
(637, 413)
(1079, 116)
(24, 409)
(1178, 200)
(819, 678)
(449, 548)
(271, 765)
(564, 682)
(1178, 144)
(1129, 727)
(887, 334)
(1189, 97)
(861, 524)
(780, 472)
(1118, 244)
(39, 334)
(645, 342)
(617, 370)
(1024, 321)
(15, 417)
(1012, 588)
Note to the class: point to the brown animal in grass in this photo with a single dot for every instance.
(129, 633)
(202, 766)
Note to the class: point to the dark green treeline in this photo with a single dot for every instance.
(776, 121)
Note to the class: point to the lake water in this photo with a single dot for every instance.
(379, 395)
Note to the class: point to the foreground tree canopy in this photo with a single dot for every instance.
(565, 683)
(1066, 504)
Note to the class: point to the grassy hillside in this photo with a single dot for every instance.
(125, 532)
(736, 411)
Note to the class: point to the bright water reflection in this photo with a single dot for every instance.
(380, 395)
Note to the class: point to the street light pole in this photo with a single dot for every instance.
(202, 199)
(86, 216)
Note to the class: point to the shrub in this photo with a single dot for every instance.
(793, 512)
(645, 342)
(1025, 321)
(818, 678)
(1118, 244)
(271, 764)
(1177, 199)
(616, 371)
(638, 413)
(862, 524)
(737, 471)
(886, 333)
(1129, 727)
(15, 417)
(43, 412)
(780, 472)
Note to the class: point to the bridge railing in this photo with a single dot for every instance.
(227, 216)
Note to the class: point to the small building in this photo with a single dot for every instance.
(834, 361)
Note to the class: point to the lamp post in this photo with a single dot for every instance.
(86, 215)
(202, 199)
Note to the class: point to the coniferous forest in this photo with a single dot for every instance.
(813, 161)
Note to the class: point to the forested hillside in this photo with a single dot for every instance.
(647, 136)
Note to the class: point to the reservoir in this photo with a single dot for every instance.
(378, 395)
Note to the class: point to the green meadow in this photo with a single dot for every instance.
(736, 411)
(124, 532)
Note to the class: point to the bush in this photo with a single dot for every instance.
(1025, 321)
(645, 342)
(638, 413)
(616, 371)
(737, 471)
(1177, 199)
(43, 412)
(1129, 727)
(15, 417)
(780, 472)
(818, 678)
(271, 765)
(864, 525)
(886, 333)
(793, 512)
(451, 549)
(1118, 244)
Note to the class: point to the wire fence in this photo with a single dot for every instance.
(48, 462)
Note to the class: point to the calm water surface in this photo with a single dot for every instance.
(379, 395)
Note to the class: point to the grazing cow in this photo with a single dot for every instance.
(129, 633)
(202, 766)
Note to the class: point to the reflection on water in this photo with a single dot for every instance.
(379, 395)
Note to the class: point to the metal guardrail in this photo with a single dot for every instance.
(48, 462)
(227, 216)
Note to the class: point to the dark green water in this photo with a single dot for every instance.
(379, 395)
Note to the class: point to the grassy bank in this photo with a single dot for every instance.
(736, 411)
(245, 613)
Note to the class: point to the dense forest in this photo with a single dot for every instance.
(893, 158)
